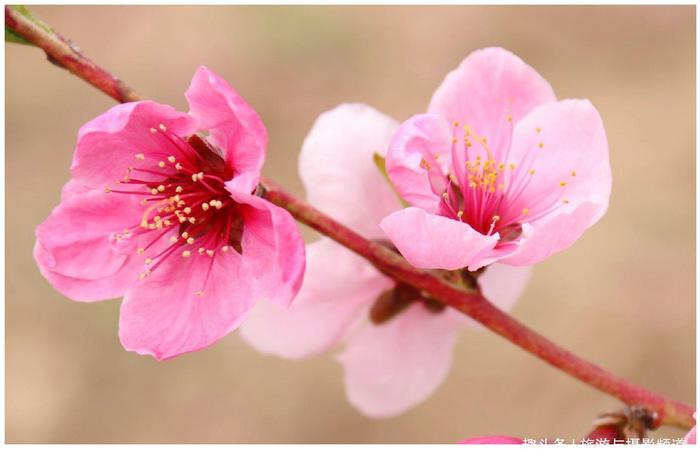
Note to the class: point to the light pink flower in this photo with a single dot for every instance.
(492, 440)
(388, 367)
(161, 209)
(690, 438)
(497, 170)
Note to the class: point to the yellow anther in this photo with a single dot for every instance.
(178, 166)
(455, 123)
(190, 240)
(166, 222)
(526, 211)
(148, 261)
(454, 140)
(495, 218)
(187, 210)
(153, 130)
(161, 164)
(472, 184)
(173, 239)
(573, 173)
(565, 201)
(192, 220)
(460, 213)
(181, 219)
(186, 253)
(509, 118)
(225, 248)
(205, 206)
(162, 127)
(210, 253)
(145, 274)
(185, 235)
(161, 188)
(178, 189)
(445, 195)
(140, 251)
(501, 166)
(562, 183)
(511, 166)
(154, 191)
(453, 178)
(219, 204)
(171, 159)
(140, 156)
(538, 130)
(200, 175)
(107, 190)
(199, 293)
(156, 218)
(531, 171)
(541, 144)
(201, 250)
(194, 177)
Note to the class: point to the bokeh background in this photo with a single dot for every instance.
(623, 296)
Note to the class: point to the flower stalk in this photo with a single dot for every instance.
(471, 302)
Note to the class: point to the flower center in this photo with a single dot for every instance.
(486, 192)
(184, 199)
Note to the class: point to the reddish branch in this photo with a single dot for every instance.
(469, 302)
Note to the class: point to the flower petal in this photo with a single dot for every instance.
(233, 125)
(163, 316)
(394, 366)
(573, 179)
(487, 87)
(432, 241)
(273, 250)
(78, 242)
(418, 160)
(107, 145)
(329, 302)
(337, 166)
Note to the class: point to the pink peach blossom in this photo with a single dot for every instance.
(497, 170)
(392, 366)
(161, 208)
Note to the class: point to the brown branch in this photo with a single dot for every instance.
(667, 411)
(64, 54)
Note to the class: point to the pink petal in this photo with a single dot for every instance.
(432, 241)
(87, 290)
(492, 440)
(163, 316)
(690, 438)
(489, 85)
(73, 187)
(329, 302)
(77, 242)
(108, 144)
(394, 366)
(273, 250)
(418, 160)
(337, 166)
(233, 125)
(574, 152)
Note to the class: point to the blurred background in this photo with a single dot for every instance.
(623, 296)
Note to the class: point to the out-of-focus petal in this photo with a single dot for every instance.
(330, 300)
(337, 166)
(392, 367)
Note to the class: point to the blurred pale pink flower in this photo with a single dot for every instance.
(392, 366)
(492, 440)
(161, 209)
(691, 436)
(497, 170)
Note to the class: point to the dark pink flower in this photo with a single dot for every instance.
(392, 366)
(161, 209)
(497, 170)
